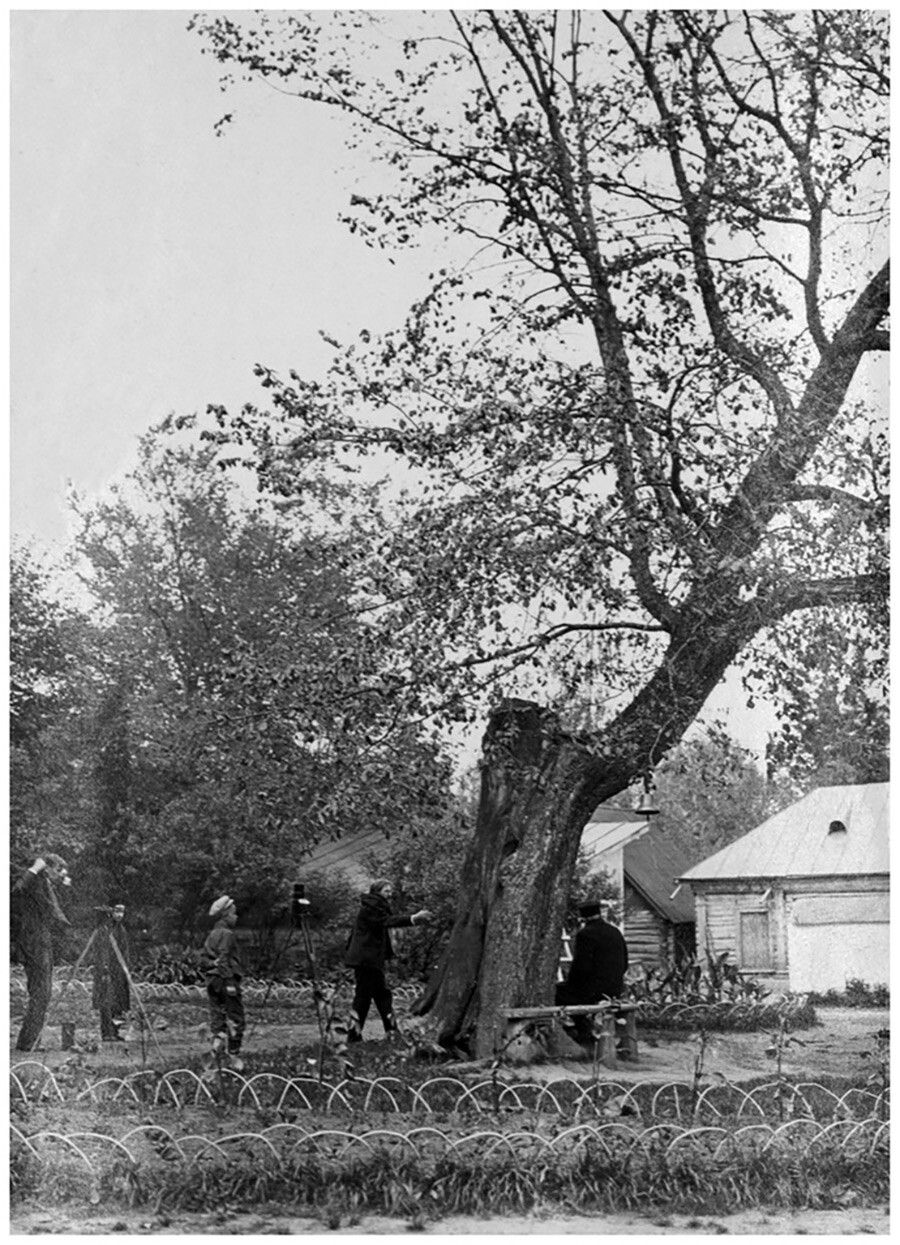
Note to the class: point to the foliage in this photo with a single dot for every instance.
(856, 993)
(710, 792)
(46, 647)
(222, 715)
(627, 414)
(636, 412)
(423, 861)
(590, 884)
(834, 711)
(713, 996)
(171, 964)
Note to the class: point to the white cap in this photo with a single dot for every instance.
(220, 905)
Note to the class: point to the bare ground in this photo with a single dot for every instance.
(749, 1223)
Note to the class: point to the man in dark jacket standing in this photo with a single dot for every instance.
(368, 950)
(599, 964)
(39, 916)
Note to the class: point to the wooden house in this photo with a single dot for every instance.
(802, 901)
(658, 921)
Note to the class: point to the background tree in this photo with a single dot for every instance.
(710, 791)
(220, 716)
(47, 643)
(835, 726)
(634, 422)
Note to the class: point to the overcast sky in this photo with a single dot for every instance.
(153, 263)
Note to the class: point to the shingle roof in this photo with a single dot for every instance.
(796, 842)
(651, 865)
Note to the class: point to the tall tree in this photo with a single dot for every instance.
(236, 720)
(710, 791)
(637, 418)
(834, 715)
(47, 645)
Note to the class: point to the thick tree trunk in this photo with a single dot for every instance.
(515, 880)
(539, 787)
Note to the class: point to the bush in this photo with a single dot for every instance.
(856, 993)
(171, 965)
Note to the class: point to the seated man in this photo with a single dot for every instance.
(597, 971)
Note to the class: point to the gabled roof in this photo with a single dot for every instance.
(652, 865)
(610, 828)
(796, 842)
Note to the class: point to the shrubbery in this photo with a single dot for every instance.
(856, 993)
(690, 996)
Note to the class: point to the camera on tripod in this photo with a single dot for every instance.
(299, 903)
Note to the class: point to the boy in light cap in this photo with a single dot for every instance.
(221, 961)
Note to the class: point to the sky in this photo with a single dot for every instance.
(153, 263)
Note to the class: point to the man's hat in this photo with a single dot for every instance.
(590, 909)
(220, 905)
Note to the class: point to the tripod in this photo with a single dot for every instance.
(300, 921)
(100, 927)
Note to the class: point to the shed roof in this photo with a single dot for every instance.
(610, 828)
(797, 841)
(652, 865)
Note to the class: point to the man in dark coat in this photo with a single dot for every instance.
(39, 916)
(112, 994)
(597, 971)
(368, 950)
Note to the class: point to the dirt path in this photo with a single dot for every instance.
(750, 1223)
(842, 1045)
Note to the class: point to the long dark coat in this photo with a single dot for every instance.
(599, 964)
(37, 914)
(111, 992)
(369, 944)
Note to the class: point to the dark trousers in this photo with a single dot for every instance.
(371, 987)
(109, 1030)
(581, 1025)
(39, 979)
(226, 1013)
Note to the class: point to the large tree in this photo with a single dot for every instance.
(635, 417)
(227, 719)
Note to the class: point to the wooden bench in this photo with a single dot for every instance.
(615, 1024)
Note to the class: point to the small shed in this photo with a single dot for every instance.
(658, 913)
(802, 902)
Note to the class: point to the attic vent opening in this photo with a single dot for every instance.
(837, 827)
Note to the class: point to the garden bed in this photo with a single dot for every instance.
(147, 1135)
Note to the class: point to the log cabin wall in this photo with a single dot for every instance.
(648, 935)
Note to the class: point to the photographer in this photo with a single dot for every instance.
(221, 961)
(368, 949)
(111, 994)
(38, 916)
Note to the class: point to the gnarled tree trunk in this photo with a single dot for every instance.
(534, 804)
(539, 786)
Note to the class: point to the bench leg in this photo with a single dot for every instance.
(606, 1043)
(628, 1044)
